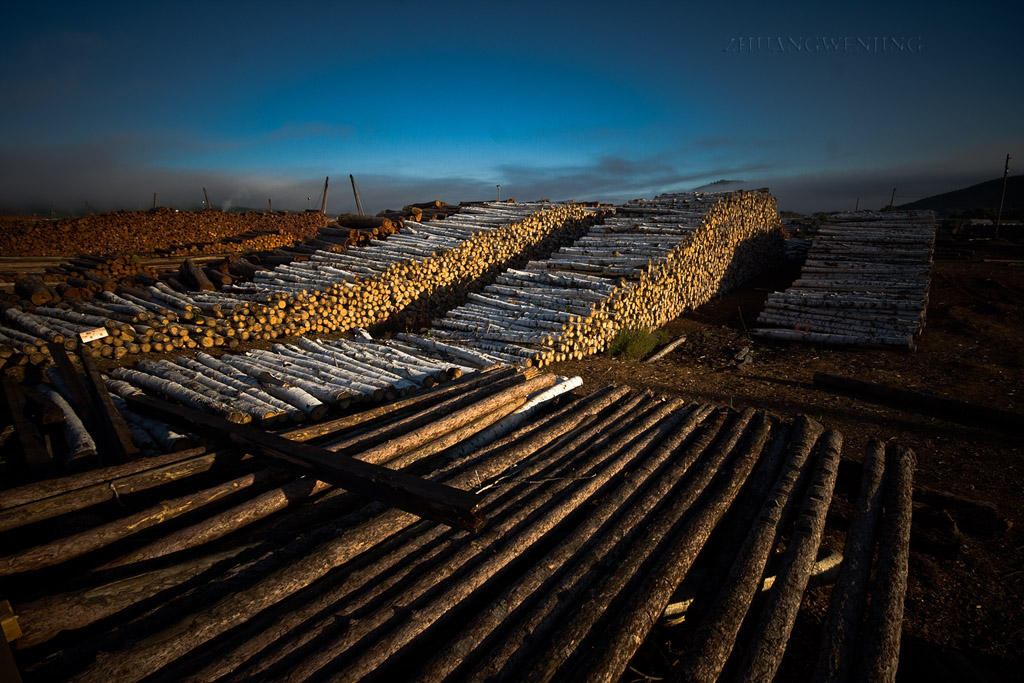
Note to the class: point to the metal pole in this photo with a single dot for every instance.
(1006, 172)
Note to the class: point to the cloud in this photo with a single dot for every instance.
(120, 174)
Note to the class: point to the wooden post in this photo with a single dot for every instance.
(205, 196)
(999, 215)
(892, 199)
(154, 200)
(37, 457)
(359, 203)
(270, 205)
(323, 202)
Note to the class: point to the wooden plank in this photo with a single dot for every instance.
(427, 499)
(112, 424)
(37, 456)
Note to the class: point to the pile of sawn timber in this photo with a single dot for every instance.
(650, 262)
(865, 282)
(222, 564)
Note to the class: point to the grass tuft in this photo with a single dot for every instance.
(634, 344)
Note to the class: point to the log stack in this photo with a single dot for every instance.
(649, 263)
(214, 565)
(329, 288)
(864, 282)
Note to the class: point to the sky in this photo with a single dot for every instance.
(830, 105)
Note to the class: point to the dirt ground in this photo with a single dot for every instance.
(964, 615)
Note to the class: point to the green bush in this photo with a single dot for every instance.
(633, 344)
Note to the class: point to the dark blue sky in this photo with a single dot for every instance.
(109, 102)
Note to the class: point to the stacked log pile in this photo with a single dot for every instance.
(597, 510)
(366, 285)
(864, 282)
(329, 288)
(651, 262)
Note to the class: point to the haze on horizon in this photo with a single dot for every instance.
(826, 104)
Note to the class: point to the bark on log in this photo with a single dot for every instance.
(714, 641)
(765, 653)
(884, 626)
(842, 630)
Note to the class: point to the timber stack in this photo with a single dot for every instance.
(652, 261)
(262, 557)
(864, 282)
(334, 292)
(326, 287)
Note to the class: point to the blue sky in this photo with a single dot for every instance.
(109, 102)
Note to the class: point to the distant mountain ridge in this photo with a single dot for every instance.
(983, 196)
(721, 186)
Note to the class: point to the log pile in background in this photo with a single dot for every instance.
(144, 232)
(864, 282)
(598, 509)
(652, 261)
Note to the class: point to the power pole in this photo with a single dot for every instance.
(892, 199)
(154, 200)
(359, 203)
(1006, 172)
(207, 198)
(856, 207)
(499, 192)
(323, 203)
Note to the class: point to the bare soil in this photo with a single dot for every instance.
(964, 618)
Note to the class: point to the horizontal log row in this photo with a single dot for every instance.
(598, 507)
(864, 281)
(649, 263)
(292, 382)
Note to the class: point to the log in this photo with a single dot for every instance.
(433, 501)
(777, 619)
(33, 289)
(192, 275)
(37, 457)
(881, 652)
(70, 547)
(842, 630)
(713, 642)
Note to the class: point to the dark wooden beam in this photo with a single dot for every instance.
(110, 420)
(427, 499)
(37, 457)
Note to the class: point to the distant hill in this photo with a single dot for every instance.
(980, 199)
(721, 186)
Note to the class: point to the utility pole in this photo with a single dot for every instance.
(1006, 172)
(499, 192)
(892, 199)
(856, 207)
(207, 198)
(270, 205)
(323, 202)
(359, 203)
(154, 201)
